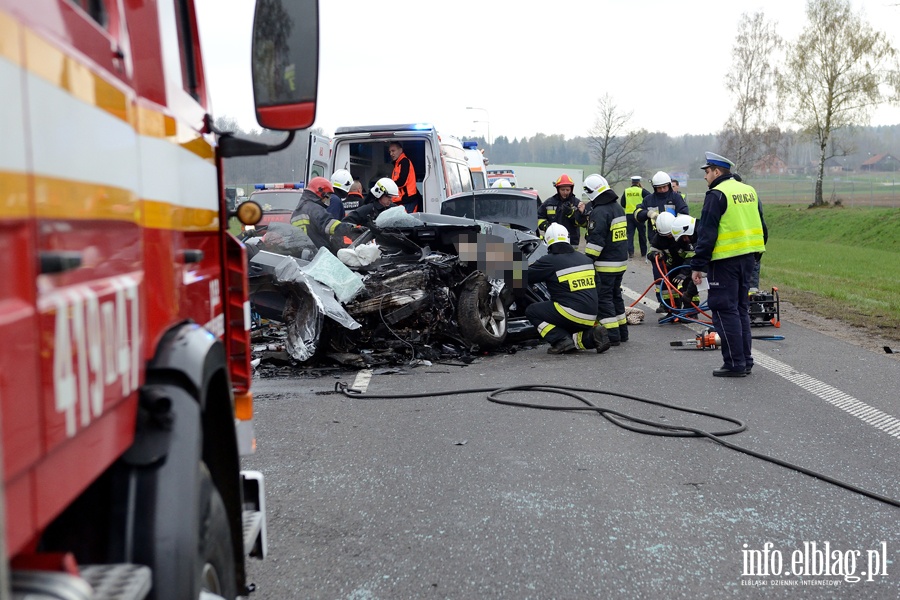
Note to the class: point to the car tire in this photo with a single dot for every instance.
(481, 316)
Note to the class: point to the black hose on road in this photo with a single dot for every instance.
(626, 421)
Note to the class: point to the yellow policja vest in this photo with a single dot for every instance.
(633, 196)
(740, 229)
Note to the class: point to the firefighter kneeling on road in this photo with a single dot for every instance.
(312, 217)
(572, 311)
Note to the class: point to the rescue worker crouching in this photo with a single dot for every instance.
(663, 199)
(672, 243)
(563, 208)
(381, 197)
(607, 245)
(312, 217)
(572, 311)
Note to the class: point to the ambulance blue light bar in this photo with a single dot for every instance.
(278, 186)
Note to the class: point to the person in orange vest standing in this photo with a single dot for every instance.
(404, 176)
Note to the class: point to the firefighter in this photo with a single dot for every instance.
(312, 217)
(341, 182)
(354, 197)
(563, 208)
(633, 196)
(607, 245)
(404, 175)
(730, 232)
(382, 196)
(501, 183)
(662, 199)
(673, 245)
(572, 310)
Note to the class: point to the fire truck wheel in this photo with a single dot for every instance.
(481, 316)
(215, 559)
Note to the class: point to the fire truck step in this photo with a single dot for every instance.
(118, 582)
(253, 524)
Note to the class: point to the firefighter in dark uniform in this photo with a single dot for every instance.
(673, 250)
(354, 197)
(381, 197)
(404, 175)
(340, 181)
(607, 245)
(730, 233)
(563, 208)
(661, 200)
(571, 313)
(311, 215)
(633, 196)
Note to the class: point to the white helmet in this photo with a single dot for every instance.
(594, 185)
(340, 181)
(681, 225)
(664, 222)
(383, 186)
(501, 183)
(660, 179)
(556, 233)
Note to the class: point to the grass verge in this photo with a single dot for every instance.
(841, 263)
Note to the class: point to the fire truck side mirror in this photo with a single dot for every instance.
(248, 212)
(285, 63)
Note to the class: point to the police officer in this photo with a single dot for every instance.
(676, 187)
(563, 208)
(404, 175)
(730, 232)
(572, 309)
(311, 215)
(607, 239)
(633, 196)
(382, 196)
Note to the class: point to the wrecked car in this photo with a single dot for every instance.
(420, 284)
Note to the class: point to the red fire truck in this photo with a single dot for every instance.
(125, 399)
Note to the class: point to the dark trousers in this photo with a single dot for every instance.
(554, 327)
(729, 284)
(611, 305)
(632, 226)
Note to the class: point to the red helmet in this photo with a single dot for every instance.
(564, 180)
(320, 186)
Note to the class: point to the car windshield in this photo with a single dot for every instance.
(277, 200)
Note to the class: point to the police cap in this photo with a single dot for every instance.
(715, 160)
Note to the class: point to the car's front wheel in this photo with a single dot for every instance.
(481, 314)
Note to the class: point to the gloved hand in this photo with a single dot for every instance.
(653, 253)
(652, 213)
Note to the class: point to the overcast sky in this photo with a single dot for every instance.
(531, 70)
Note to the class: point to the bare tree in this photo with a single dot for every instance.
(617, 149)
(749, 134)
(836, 73)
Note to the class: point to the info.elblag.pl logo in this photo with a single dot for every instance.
(814, 560)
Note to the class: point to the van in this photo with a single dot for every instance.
(477, 164)
(439, 160)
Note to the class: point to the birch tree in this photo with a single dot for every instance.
(617, 149)
(835, 75)
(750, 132)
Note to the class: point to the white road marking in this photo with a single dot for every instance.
(847, 403)
(361, 383)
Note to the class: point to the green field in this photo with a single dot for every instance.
(842, 263)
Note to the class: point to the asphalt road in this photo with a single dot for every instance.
(453, 496)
